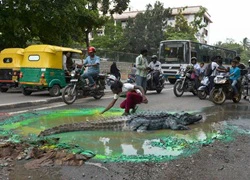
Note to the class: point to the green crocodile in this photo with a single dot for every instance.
(143, 121)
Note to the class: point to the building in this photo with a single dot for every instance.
(189, 13)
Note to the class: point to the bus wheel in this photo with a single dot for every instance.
(55, 90)
(172, 81)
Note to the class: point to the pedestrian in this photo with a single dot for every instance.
(134, 95)
(93, 63)
(115, 71)
(142, 69)
(133, 69)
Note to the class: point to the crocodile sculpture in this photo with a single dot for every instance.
(137, 122)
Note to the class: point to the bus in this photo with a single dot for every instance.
(174, 54)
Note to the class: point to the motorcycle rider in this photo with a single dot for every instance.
(92, 62)
(196, 71)
(156, 67)
(234, 76)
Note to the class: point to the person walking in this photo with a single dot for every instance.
(142, 69)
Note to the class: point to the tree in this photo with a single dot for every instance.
(52, 22)
(105, 6)
(146, 30)
(184, 30)
(112, 38)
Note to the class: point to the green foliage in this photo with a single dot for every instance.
(241, 49)
(146, 30)
(54, 22)
(112, 38)
(184, 30)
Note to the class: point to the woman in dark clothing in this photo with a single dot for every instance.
(115, 71)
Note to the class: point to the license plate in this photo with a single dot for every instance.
(171, 77)
(73, 80)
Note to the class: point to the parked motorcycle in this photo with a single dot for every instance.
(223, 90)
(151, 86)
(203, 90)
(185, 83)
(131, 78)
(79, 88)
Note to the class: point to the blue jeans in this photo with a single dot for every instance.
(234, 86)
(141, 81)
(90, 76)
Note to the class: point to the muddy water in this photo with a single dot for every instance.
(111, 145)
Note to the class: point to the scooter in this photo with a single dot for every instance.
(203, 90)
(151, 86)
(110, 79)
(131, 78)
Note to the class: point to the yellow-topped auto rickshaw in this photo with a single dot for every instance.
(10, 60)
(42, 68)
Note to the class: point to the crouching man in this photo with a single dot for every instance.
(134, 95)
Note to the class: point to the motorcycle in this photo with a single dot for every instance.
(203, 90)
(246, 86)
(223, 90)
(78, 87)
(151, 86)
(186, 82)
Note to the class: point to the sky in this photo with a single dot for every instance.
(230, 18)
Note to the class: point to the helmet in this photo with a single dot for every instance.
(194, 58)
(249, 61)
(153, 57)
(91, 49)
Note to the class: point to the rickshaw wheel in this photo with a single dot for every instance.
(3, 89)
(26, 92)
(55, 90)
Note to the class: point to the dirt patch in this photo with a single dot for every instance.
(219, 160)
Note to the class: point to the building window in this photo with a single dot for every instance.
(206, 32)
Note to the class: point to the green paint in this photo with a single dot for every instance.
(157, 146)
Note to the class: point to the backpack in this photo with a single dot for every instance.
(209, 70)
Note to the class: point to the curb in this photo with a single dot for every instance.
(35, 103)
(30, 103)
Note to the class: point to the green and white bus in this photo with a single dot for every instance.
(175, 54)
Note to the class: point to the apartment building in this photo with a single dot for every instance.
(189, 13)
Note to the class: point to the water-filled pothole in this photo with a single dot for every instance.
(131, 146)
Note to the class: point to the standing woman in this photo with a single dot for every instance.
(142, 69)
(115, 71)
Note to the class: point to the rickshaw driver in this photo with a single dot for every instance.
(92, 62)
(68, 64)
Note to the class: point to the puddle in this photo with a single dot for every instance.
(132, 146)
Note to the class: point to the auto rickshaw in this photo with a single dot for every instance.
(10, 60)
(42, 68)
